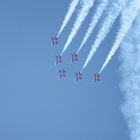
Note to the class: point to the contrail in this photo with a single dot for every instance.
(71, 9)
(96, 16)
(128, 16)
(86, 5)
(113, 13)
(130, 85)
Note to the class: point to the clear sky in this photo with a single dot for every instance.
(34, 105)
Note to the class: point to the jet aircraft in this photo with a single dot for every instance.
(74, 57)
(62, 73)
(96, 78)
(78, 76)
(58, 59)
(54, 41)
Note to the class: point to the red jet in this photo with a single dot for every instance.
(78, 76)
(96, 78)
(74, 57)
(54, 41)
(62, 73)
(58, 59)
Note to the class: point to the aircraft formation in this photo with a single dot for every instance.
(125, 10)
(73, 58)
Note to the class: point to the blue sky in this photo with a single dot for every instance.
(34, 105)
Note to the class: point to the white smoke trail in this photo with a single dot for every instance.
(128, 16)
(130, 85)
(113, 13)
(71, 10)
(96, 16)
(87, 4)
